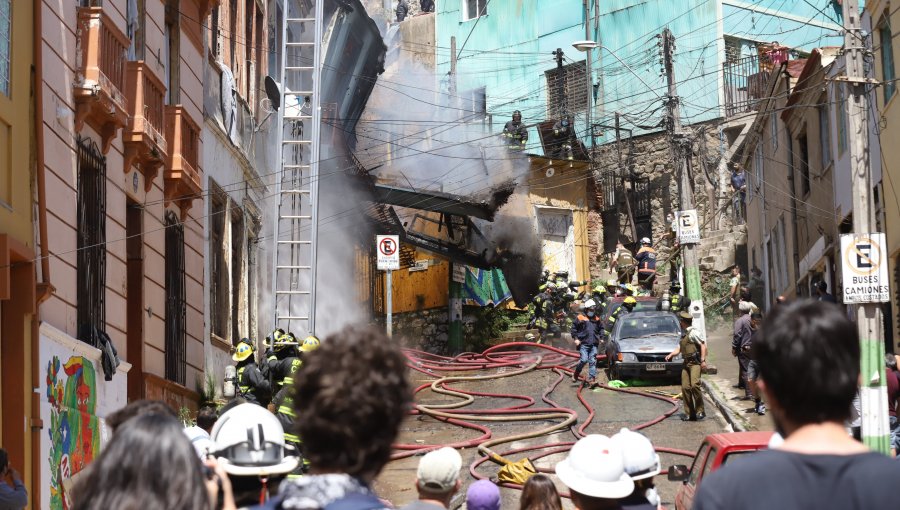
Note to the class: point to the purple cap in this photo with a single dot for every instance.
(483, 495)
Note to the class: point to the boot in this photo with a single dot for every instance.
(592, 383)
(574, 376)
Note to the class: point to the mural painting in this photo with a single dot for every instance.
(74, 427)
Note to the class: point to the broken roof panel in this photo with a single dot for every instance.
(436, 201)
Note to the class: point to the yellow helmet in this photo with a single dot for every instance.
(630, 301)
(243, 350)
(310, 344)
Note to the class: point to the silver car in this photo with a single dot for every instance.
(639, 344)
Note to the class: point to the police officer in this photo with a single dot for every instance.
(587, 332)
(692, 348)
(515, 132)
(285, 402)
(625, 308)
(252, 386)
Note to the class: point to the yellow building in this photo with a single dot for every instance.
(884, 15)
(18, 403)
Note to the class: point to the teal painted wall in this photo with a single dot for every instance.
(509, 49)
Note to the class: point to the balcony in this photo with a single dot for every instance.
(747, 78)
(145, 145)
(182, 174)
(100, 77)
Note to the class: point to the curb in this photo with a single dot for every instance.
(736, 423)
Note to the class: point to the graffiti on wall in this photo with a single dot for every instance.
(74, 426)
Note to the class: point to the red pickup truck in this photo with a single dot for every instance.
(715, 451)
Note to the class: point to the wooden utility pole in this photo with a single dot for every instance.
(681, 157)
(869, 320)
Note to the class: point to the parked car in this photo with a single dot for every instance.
(715, 451)
(639, 343)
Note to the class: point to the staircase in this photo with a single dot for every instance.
(718, 248)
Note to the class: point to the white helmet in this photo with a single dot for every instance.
(645, 240)
(249, 441)
(595, 467)
(641, 459)
(590, 303)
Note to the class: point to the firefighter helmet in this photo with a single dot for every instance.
(243, 350)
(629, 301)
(310, 344)
(518, 114)
(250, 442)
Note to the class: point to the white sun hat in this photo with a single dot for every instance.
(595, 467)
(641, 459)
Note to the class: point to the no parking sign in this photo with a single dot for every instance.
(388, 252)
(864, 268)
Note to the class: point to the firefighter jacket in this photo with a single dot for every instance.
(587, 330)
(252, 386)
(516, 134)
(646, 259)
(621, 311)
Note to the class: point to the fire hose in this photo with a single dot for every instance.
(512, 473)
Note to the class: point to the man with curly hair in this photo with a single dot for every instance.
(348, 419)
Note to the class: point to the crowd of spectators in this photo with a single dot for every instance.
(240, 459)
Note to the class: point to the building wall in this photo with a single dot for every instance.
(889, 123)
(17, 281)
(59, 312)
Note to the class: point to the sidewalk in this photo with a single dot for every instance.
(720, 387)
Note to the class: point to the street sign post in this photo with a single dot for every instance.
(864, 268)
(688, 228)
(388, 259)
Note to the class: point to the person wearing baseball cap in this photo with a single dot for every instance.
(483, 495)
(641, 464)
(594, 472)
(437, 479)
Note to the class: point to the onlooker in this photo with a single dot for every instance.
(251, 449)
(822, 292)
(13, 495)
(539, 493)
(199, 433)
(818, 465)
(740, 344)
(734, 292)
(437, 480)
(148, 464)
(756, 285)
(402, 10)
(753, 367)
(739, 190)
(426, 5)
(137, 408)
(692, 349)
(337, 405)
(594, 472)
(893, 391)
(483, 495)
(641, 464)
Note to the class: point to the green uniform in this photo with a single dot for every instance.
(690, 372)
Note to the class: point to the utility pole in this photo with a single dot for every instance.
(589, 82)
(454, 308)
(681, 154)
(621, 175)
(869, 321)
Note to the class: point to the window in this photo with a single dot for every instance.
(474, 102)
(887, 58)
(215, 32)
(274, 39)
(825, 133)
(175, 305)
(803, 154)
(566, 90)
(474, 8)
(698, 464)
(759, 171)
(172, 54)
(5, 31)
(237, 272)
(91, 258)
(843, 141)
(218, 283)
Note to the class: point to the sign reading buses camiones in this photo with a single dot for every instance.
(864, 268)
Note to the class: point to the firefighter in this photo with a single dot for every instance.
(627, 307)
(622, 263)
(515, 132)
(285, 398)
(646, 259)
(612, 287)
(542, 316)
(677, 302)
(282, 359)
(588, 334)
(252, 386)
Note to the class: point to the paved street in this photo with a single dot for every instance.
(614, 410)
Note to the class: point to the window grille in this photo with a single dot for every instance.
(175, 300)
(91, 258)
(573, 92)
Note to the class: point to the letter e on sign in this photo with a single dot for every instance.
(864, 268)
(388, 250)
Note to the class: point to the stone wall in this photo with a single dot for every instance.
(429, 330)
(651, 158)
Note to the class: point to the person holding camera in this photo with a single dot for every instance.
(13, 495)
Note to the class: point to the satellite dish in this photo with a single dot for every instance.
(551, 171)
(273, 91)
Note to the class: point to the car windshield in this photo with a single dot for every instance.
(648, 326)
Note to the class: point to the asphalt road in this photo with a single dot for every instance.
(614, 410)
